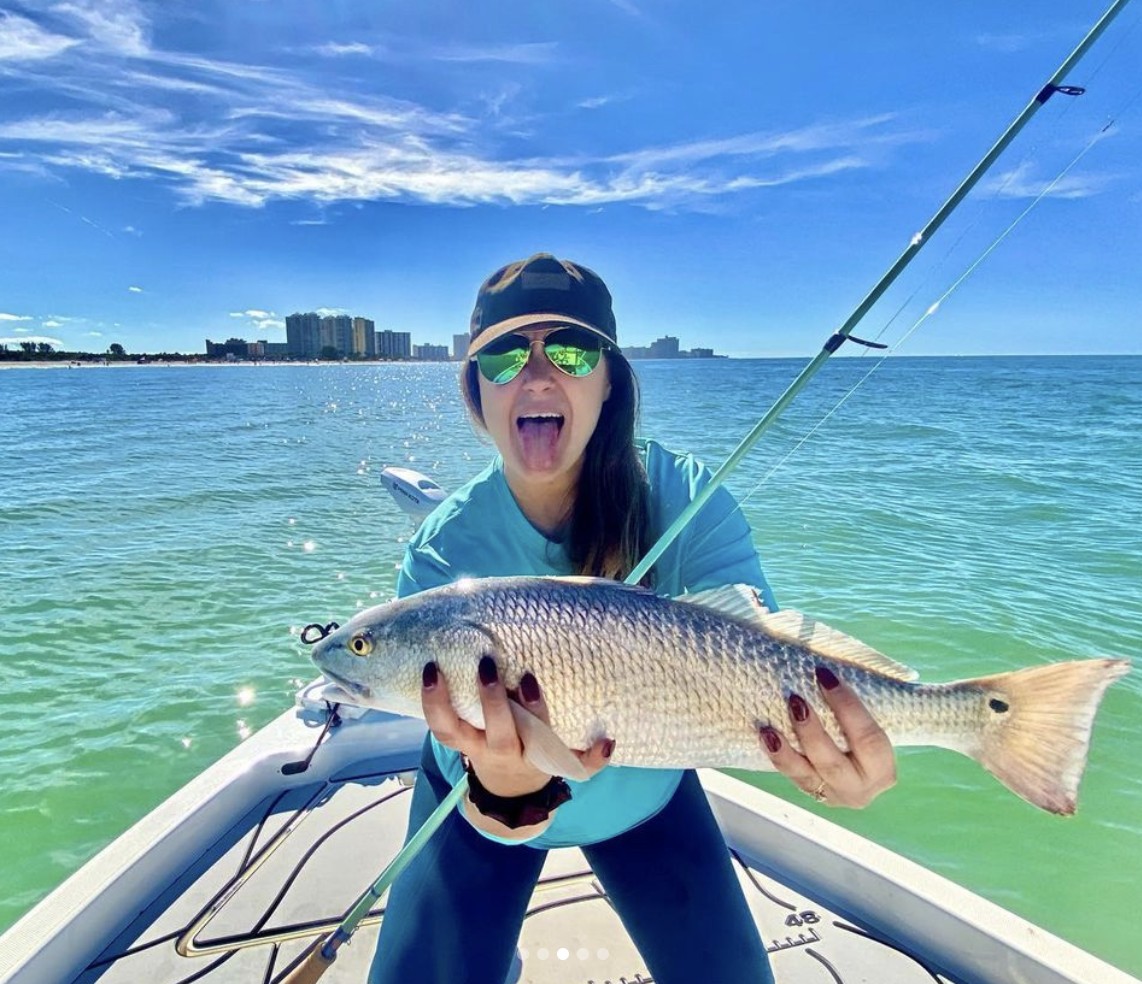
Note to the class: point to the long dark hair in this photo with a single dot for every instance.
(608, 530)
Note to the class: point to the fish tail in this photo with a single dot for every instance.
(1037, 735)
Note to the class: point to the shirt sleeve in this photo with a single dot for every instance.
(719, 546)
(421, 569)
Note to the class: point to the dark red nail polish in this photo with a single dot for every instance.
(827, 678)
(798, 708)
(529, 688)
(608, 748)
(429, 676)
(487, 670)
(772, 740)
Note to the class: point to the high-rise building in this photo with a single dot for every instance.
(337, 333)
(664, 348)
(430, 353)
(303, 335)
(364, 338)
(394, 344)
(460, 347)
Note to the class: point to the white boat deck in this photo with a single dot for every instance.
(233, 877)
(296, 863)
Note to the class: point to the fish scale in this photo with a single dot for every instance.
(682, 683)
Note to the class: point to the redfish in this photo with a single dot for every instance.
(687, 682)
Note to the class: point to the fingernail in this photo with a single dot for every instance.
(798, 708)
(429, 676)
(608, 748)
(827, 678)
(771, 739)
(529, 688)
(488, 674)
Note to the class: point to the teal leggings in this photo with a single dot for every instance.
(455, 913)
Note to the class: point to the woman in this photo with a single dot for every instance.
(570, 492)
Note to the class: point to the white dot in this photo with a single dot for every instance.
(583, 953)
(542, 953)
(309, 546)
(562, 953)
(603, 954)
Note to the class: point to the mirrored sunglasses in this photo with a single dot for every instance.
(573, 351)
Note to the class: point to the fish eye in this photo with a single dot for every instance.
(360, 645)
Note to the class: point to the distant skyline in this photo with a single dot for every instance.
(740, 174)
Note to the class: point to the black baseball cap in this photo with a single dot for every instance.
(538, 291)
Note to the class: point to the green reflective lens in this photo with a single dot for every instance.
(501, 361)
(572, 351)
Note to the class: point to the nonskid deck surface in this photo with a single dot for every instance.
(295, 863)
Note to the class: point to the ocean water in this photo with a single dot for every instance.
(164, 531)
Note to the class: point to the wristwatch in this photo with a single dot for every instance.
(517, 811)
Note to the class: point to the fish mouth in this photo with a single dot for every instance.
(356, 690)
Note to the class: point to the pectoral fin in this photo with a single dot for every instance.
(544, 749)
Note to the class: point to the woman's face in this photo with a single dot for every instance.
(542, 420)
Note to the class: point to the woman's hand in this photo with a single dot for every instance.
(497, 753)
(853, 778)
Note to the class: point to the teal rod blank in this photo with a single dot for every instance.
(417, 842)
(837, 339)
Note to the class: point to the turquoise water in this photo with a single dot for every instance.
(164, 531)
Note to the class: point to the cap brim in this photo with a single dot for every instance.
(534, 320)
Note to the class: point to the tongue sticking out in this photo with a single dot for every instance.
(539, 440)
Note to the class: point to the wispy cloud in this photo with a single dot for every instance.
(120, 27)
(1005, 43)
(260, 320)
(334, 50)
(34, 339)
(595, 103)
(538, 53)
(14, 317)
(23, 40)
(135, 290)
(246, 134)
(1022, 182)
(83, 218)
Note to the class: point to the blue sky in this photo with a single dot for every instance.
(740, 173)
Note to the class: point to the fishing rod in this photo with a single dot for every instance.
(844, 333)
(322, 953)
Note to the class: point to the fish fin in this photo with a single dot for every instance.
(792, 626)
(544, 749)
(1038, 736)
(740, 601)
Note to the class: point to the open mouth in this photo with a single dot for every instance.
(352, 689)
(539, 438)
(540, 421)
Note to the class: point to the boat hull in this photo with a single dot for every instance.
(233, 877)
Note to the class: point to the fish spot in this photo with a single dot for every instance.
(999, 706)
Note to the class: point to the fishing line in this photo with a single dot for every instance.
(1124, 107)
(323, 952)
(934, 307)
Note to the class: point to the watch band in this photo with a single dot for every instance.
(517, 811)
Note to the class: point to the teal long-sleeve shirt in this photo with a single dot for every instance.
(480, 531)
